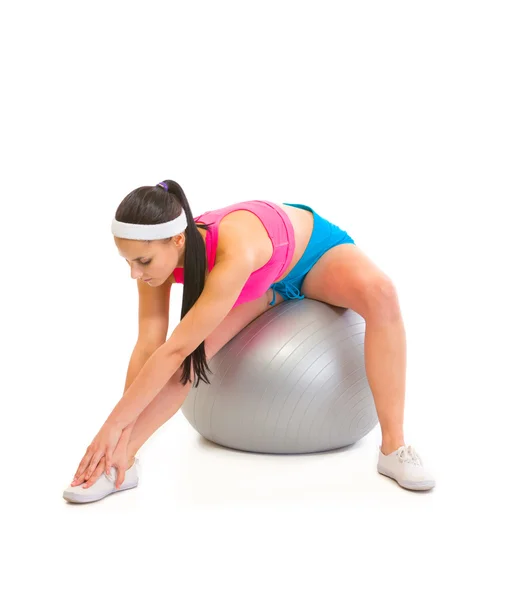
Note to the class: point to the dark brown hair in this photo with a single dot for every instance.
(150, 205)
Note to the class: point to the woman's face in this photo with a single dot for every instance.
(152, 261)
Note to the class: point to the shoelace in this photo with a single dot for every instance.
(112, 475)
(409, 455)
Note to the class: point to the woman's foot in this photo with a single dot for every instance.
(405, 466)
(104, 485)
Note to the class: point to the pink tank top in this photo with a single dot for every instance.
(280, 231)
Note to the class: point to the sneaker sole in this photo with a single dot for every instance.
(81, 499)
(410, 485)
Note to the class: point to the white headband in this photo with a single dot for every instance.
(161, 231)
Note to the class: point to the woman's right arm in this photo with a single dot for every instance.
(153, 328)
(139, 356)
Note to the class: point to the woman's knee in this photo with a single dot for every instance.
(381, 297)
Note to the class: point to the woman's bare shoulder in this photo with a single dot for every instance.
(240, 235)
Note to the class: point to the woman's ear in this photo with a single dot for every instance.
(179, 240)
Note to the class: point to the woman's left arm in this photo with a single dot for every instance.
(222, 288)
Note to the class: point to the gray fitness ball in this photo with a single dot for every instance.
(292, 381)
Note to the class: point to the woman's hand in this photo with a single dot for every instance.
(119, 460)
(102, 446)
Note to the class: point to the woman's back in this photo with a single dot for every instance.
(277, 233)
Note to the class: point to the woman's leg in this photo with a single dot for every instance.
(171, 397)
(344, 276)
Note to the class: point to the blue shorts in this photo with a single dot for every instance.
(325, 235)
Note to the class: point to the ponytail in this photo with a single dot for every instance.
(195, 271)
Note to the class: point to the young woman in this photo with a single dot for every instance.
(236, 263)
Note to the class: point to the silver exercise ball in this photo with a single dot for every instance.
(292, 381)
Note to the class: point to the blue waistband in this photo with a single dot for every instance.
(285, 287)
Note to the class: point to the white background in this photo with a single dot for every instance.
(392, 119)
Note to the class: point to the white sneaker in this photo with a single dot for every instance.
(405, 466)
(103, 486)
